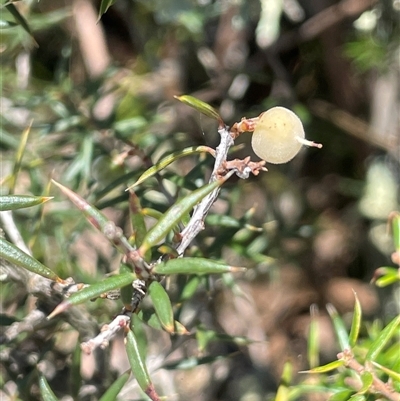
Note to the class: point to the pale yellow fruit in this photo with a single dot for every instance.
(278, 135)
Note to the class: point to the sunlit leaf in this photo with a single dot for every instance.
(94, 291)
(384, 276)
(367, 379)
(200, 106)
(166, 161)
(391, 373)
(175, 213)
(13, 202)
(194, 266)
(45, 390)
(162, 305)
(326, 368)
(15, 255)
(356, 323)
(283, 389)
(383, 338)
(342, 395)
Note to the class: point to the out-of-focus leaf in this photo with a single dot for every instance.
(21, 20)
(75, 372)
(19, 154)
(14, 255)
(166, 161)
(137, 219)
(342, 395)
(13, 202)
(190, 363)
(391, 373)
(104, 6)
(384, 276)
(175, 213)
(190, 288)
(313, 338)
(283, 389)
(367, 379)
(326, 368)
(94, 290)
(383, 338)
(138, 366)
(45, 390)
(4, 24)
(357, 397)
(339, 326)
(200, 106)
(162, 305)
(356, 323)
(115, 388)
(395, 220)
(194, 266)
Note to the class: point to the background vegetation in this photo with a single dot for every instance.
(90, 103)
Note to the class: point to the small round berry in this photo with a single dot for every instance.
(278, 135)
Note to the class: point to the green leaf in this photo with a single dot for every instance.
(200, 106)
(162, 305)
(45, 390)
(325, 368)
(283, 389)
(104, 6)
(342, 395)
(166, 161)
(115, 388)
(137, 326)
(313, 338)
(137, 219)
(384, 276)
(94, 290)
(175, 213)
(192, 362)
(139, 367)
(391, 373)
(367, 379)
(357, 397)
(356, 323)
(14, 255)
(395, 219)
(339, 326)
(190, 288)
(21, 20)
(75, 377)
(385, 335)
(194, 266)
(13, 202)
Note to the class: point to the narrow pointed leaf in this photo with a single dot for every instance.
(384, 276)
(166, 161)
(283, 389)
(137, 326)
(15, 255)
(138, 366)
(357, 397)
(190, 288)
(94, 291)
(356, 323)
(137, 219)
(19, 155)
(313, 338)
(94, 216)
(194, 266)
(115, 388)
(162, 305)
(339, 326)
(395, 219)
(21, 20)
(200, 106)
(104, 6)
(175, 213)
(45, 390)
(13, 202)
(326, 368)
(384, 337)
(391, 373)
